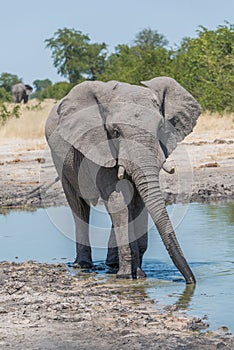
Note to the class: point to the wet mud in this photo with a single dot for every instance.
(44, 306)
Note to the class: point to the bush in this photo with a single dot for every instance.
(8, 112)
(55, 91)
(7, 80)
(204, 66)
(4, 95)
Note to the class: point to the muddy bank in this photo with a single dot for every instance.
(204, 173)
(44, 307)
(208, 177)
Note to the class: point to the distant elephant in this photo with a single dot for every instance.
(110, 140)
(21, 92)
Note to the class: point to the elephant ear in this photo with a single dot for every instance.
(28, 88)
(82, 125)
(179, 109)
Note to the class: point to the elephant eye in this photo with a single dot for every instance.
(116, 134)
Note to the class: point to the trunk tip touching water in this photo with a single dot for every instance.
(172, 245)
(148, 188)
(191, 280)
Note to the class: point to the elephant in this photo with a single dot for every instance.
(109, 140)
(21, 92)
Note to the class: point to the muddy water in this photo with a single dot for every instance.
(205, 232)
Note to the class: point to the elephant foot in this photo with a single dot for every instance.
(140, 273)
(112, 259)
(125, 273)
(83, 264)
(112, 264)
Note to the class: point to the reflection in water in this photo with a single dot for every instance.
(205, 232)
(185, 298)
(8, 210)
(224, 211)
(141, 286)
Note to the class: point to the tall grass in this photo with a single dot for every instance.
(211, 126)
(215, 122)
(31, 121)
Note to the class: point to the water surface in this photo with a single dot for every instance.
(205, 232)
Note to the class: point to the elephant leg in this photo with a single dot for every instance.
(118, 211)
(143, 242)
(114, 193)
(80, 210)
(138, 224)
(112, 259)
(17, 98)
(25, 98)
(140, 216)
(83, 248)
(138, 237)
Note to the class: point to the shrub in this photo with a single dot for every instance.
(8, 112)
(56, 91)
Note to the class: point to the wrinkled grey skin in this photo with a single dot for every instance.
(20, 92)
(110, 140)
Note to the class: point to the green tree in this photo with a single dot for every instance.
(56, 91)
(4, 95)
(121, 65)
(7, 80)
(41, 85)
(148, 38)
(73, 55)
(96, 56)
(146, 58)
(205, 66)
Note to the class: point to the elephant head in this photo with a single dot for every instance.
(135, 128)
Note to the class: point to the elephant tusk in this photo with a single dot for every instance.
(121, 172)
(169, 168)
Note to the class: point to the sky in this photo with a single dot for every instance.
(25, 25)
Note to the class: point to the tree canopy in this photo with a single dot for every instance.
(204, 65)
(7, 80)
(41, 85)
(56, 91)
(148, 38)
(73, 55)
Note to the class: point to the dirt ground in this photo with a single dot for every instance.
(204, 173)
(45, 307)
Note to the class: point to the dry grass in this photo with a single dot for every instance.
(31, 123)
(211, 126)
(215, 122)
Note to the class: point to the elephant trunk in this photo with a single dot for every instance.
(146, 179)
